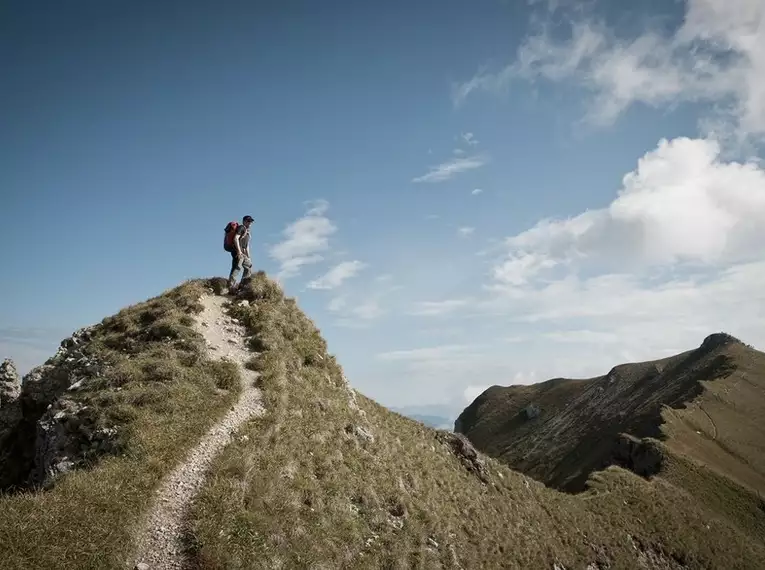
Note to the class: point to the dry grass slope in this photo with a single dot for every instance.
(327, 478)
(701, 414)
(164, 394)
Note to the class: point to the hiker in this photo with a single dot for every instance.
(237, 242)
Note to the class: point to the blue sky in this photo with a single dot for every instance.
(458, 194)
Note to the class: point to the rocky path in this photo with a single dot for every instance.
(161, 543)
(711, 421)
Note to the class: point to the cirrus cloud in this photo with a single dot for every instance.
(716, 54)
(450, 168)
(335, 276)
(304, 240)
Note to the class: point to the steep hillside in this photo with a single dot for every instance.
(695, 417)
(88, 435)
(317, 476)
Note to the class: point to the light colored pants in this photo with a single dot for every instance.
(238, 264)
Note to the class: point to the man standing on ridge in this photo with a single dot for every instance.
(237, 241)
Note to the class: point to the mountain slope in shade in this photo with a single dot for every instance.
(695, 417)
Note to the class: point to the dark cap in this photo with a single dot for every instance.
(248, 219)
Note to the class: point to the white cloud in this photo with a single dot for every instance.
(476, 191)
(434, 308)
(682, 205)
(458, 151)
(337, 304)
(675, 257)
(583, 336)
(335, 276)
(359, 314)
(707, 299)
(427, 353)
(483, 81)
(473, 391)
(450, 168)
(465, 231)
(368, 310)
(512, 339)
(716, 55)
(470, 139)
(304, 241)
(518, 267)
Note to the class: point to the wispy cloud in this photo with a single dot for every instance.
(304, 241)
(30, 346)
(368, 310)
(436, 308)
(717, 55)
(427, 353)
(335, 276)
(363, 308)
(469, 138)
(361, 315)
(583, 336)
(473, 391)
(465, 231)
(450, 168)
(476, 192)
(33, 336)
(337, 304)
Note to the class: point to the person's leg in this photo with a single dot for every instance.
(247, 265)
(235, 268)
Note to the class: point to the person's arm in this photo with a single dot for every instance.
(238, 245)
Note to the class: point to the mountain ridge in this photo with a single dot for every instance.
(323, 478)
(693, 417)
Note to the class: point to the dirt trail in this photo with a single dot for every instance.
(711, 421)
(161, 544)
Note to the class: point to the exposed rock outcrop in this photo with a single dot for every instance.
(41, 433)
(643, 456)
(531, 411)
(467, 454)
(71, 364)
(10, 384)
(68, 436)
(10, 415)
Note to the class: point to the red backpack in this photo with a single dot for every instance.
(228, 240)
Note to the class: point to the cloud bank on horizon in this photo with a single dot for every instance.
(676, 255)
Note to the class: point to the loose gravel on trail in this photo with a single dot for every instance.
(161, 542)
